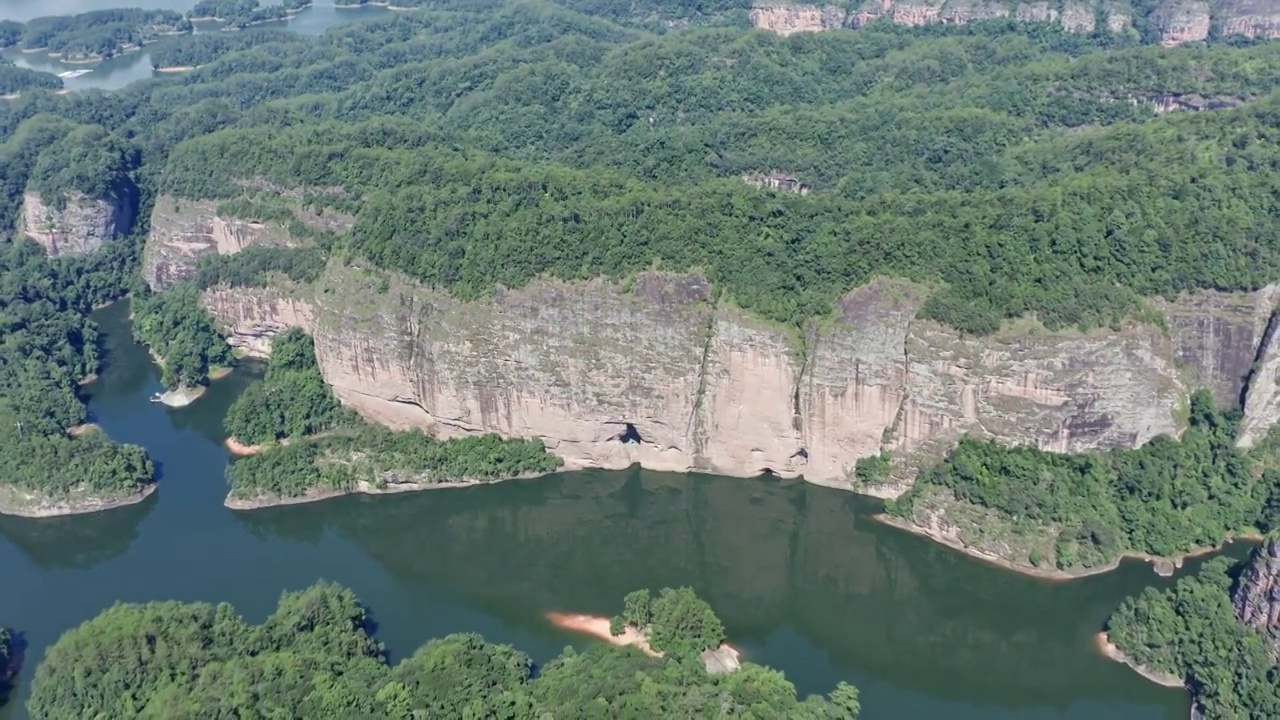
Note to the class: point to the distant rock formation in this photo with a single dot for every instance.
(1257, 599)
(77, 226)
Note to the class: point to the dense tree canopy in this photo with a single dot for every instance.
(97, 34)
(1167, 497)
(316, 657)
(181, 332)
(14, 80)
(1191, 631)
(292, 400)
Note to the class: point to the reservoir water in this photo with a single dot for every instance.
(804, 579)
(119, 71)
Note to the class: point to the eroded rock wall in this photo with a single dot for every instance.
(1257, 598)
(1178, 21)
(704, 386)
(79, 226)
(182, 231)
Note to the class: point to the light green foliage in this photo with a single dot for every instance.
(1191, 631)
(99, 33)
(14, 79)
(292, 400)
(314, 657)
(88, 160)
(1164, 498)
(676, 621)
(181, 331)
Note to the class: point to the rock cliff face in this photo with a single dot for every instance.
(80, 226)
(664, 375)
(184, 230)
(1178, 21)
(1257, 599)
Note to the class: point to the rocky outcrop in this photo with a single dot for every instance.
(77, 226)
(1178, 21)
(251, 316)
(1257, 597)
(184, 230)
(663, 375)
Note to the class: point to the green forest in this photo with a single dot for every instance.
(182, 334)
(240, 14)
(316, 657)
(292, 399)
(1167, 497)
(1191, 631)
(48, 345)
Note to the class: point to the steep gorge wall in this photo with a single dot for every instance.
(1178, 21)
(1257, 597)
(79, 225)
(707, 387)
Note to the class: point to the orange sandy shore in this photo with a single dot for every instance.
(598, 627)
(1106, 647)
(239, 449)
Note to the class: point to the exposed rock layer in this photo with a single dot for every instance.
(1178, 21)
(1257, 599)
(80, 225)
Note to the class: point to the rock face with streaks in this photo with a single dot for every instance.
(78, 225)
(184, 230)
(1175, 21)
(1257, 598)
(662, 374)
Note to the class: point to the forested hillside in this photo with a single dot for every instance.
(315, 656)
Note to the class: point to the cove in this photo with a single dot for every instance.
(803, 578)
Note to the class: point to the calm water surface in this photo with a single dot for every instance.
(117, 72)
(805, 581)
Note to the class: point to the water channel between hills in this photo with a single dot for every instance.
(119, 71)
(804, 579)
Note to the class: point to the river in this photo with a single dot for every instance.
(804, 579)
(119, 71)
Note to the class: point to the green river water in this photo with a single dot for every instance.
(804, 579)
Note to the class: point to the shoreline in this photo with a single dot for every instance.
(598, 627)
(63, 509)
(1110, 651)
(239, 449)
(174, 68)
(1157, 562)
(363, 488)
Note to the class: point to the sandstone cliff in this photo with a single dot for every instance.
(79, 226)
(184, 230)
(662, 374)
(1177, 21)
(1257, 598)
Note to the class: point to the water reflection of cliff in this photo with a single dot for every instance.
(77, 541)
(765, 554)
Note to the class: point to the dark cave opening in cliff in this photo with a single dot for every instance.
(630, 435)
(767, 472)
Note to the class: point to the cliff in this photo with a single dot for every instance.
(662, 374)
(1177, 21)
(78, 226)
(1257, 597)
(184, 230)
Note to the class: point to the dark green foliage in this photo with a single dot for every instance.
(292, 400)
(315, 657)
(1164, 498)
(15, 80)
(100, 33)
(8, 660)
(47, 344)
(87, 160)
(1191, 631)
(676, 621)
(181, 331)
(380, 457)
(254, 267)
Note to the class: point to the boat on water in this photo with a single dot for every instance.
(74, 73)
(156, 397)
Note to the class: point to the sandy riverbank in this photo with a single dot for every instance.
(1163, 566)
(598, 627)
(240, 449)
(181, 397)
(1107, 648)
(174, 69)
(59, 509)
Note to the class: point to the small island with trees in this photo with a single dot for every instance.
(93, 36)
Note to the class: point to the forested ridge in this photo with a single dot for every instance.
(315, 657)
(1191, 631)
